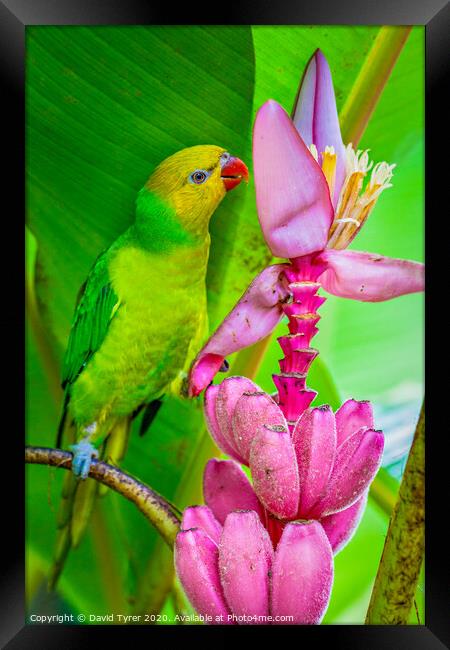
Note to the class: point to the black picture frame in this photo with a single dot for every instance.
(15, 16)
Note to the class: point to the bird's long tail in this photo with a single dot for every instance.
(79, 495)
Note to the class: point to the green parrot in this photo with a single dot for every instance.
(139, 322)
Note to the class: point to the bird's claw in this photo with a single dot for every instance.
(83, 452)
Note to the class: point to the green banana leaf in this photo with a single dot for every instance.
(104, 106)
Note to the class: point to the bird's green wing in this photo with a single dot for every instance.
(96, 307)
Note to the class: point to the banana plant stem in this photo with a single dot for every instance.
(395, 585)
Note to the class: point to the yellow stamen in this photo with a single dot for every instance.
(347, 201)
(362, 210)
(354, 206)
(381, 175)
(329, 167)
(357, 161)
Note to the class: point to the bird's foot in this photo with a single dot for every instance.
(83, 453)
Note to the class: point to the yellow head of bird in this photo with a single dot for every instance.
(195, 180)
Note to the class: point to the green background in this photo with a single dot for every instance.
(104, 106)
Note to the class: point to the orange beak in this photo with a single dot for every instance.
(233, 172)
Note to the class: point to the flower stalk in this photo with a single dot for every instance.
(371, 80)
(293, 395)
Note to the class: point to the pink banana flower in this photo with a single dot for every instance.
(311, 202)
(318, 467)
(231, 573)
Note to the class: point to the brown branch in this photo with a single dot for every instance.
(398, 573)
(161, 514)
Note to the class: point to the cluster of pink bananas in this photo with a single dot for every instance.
(267, 549)
(263, 551)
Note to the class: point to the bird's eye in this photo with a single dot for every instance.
(198, 177)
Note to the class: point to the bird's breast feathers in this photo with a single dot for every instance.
(153, 336)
